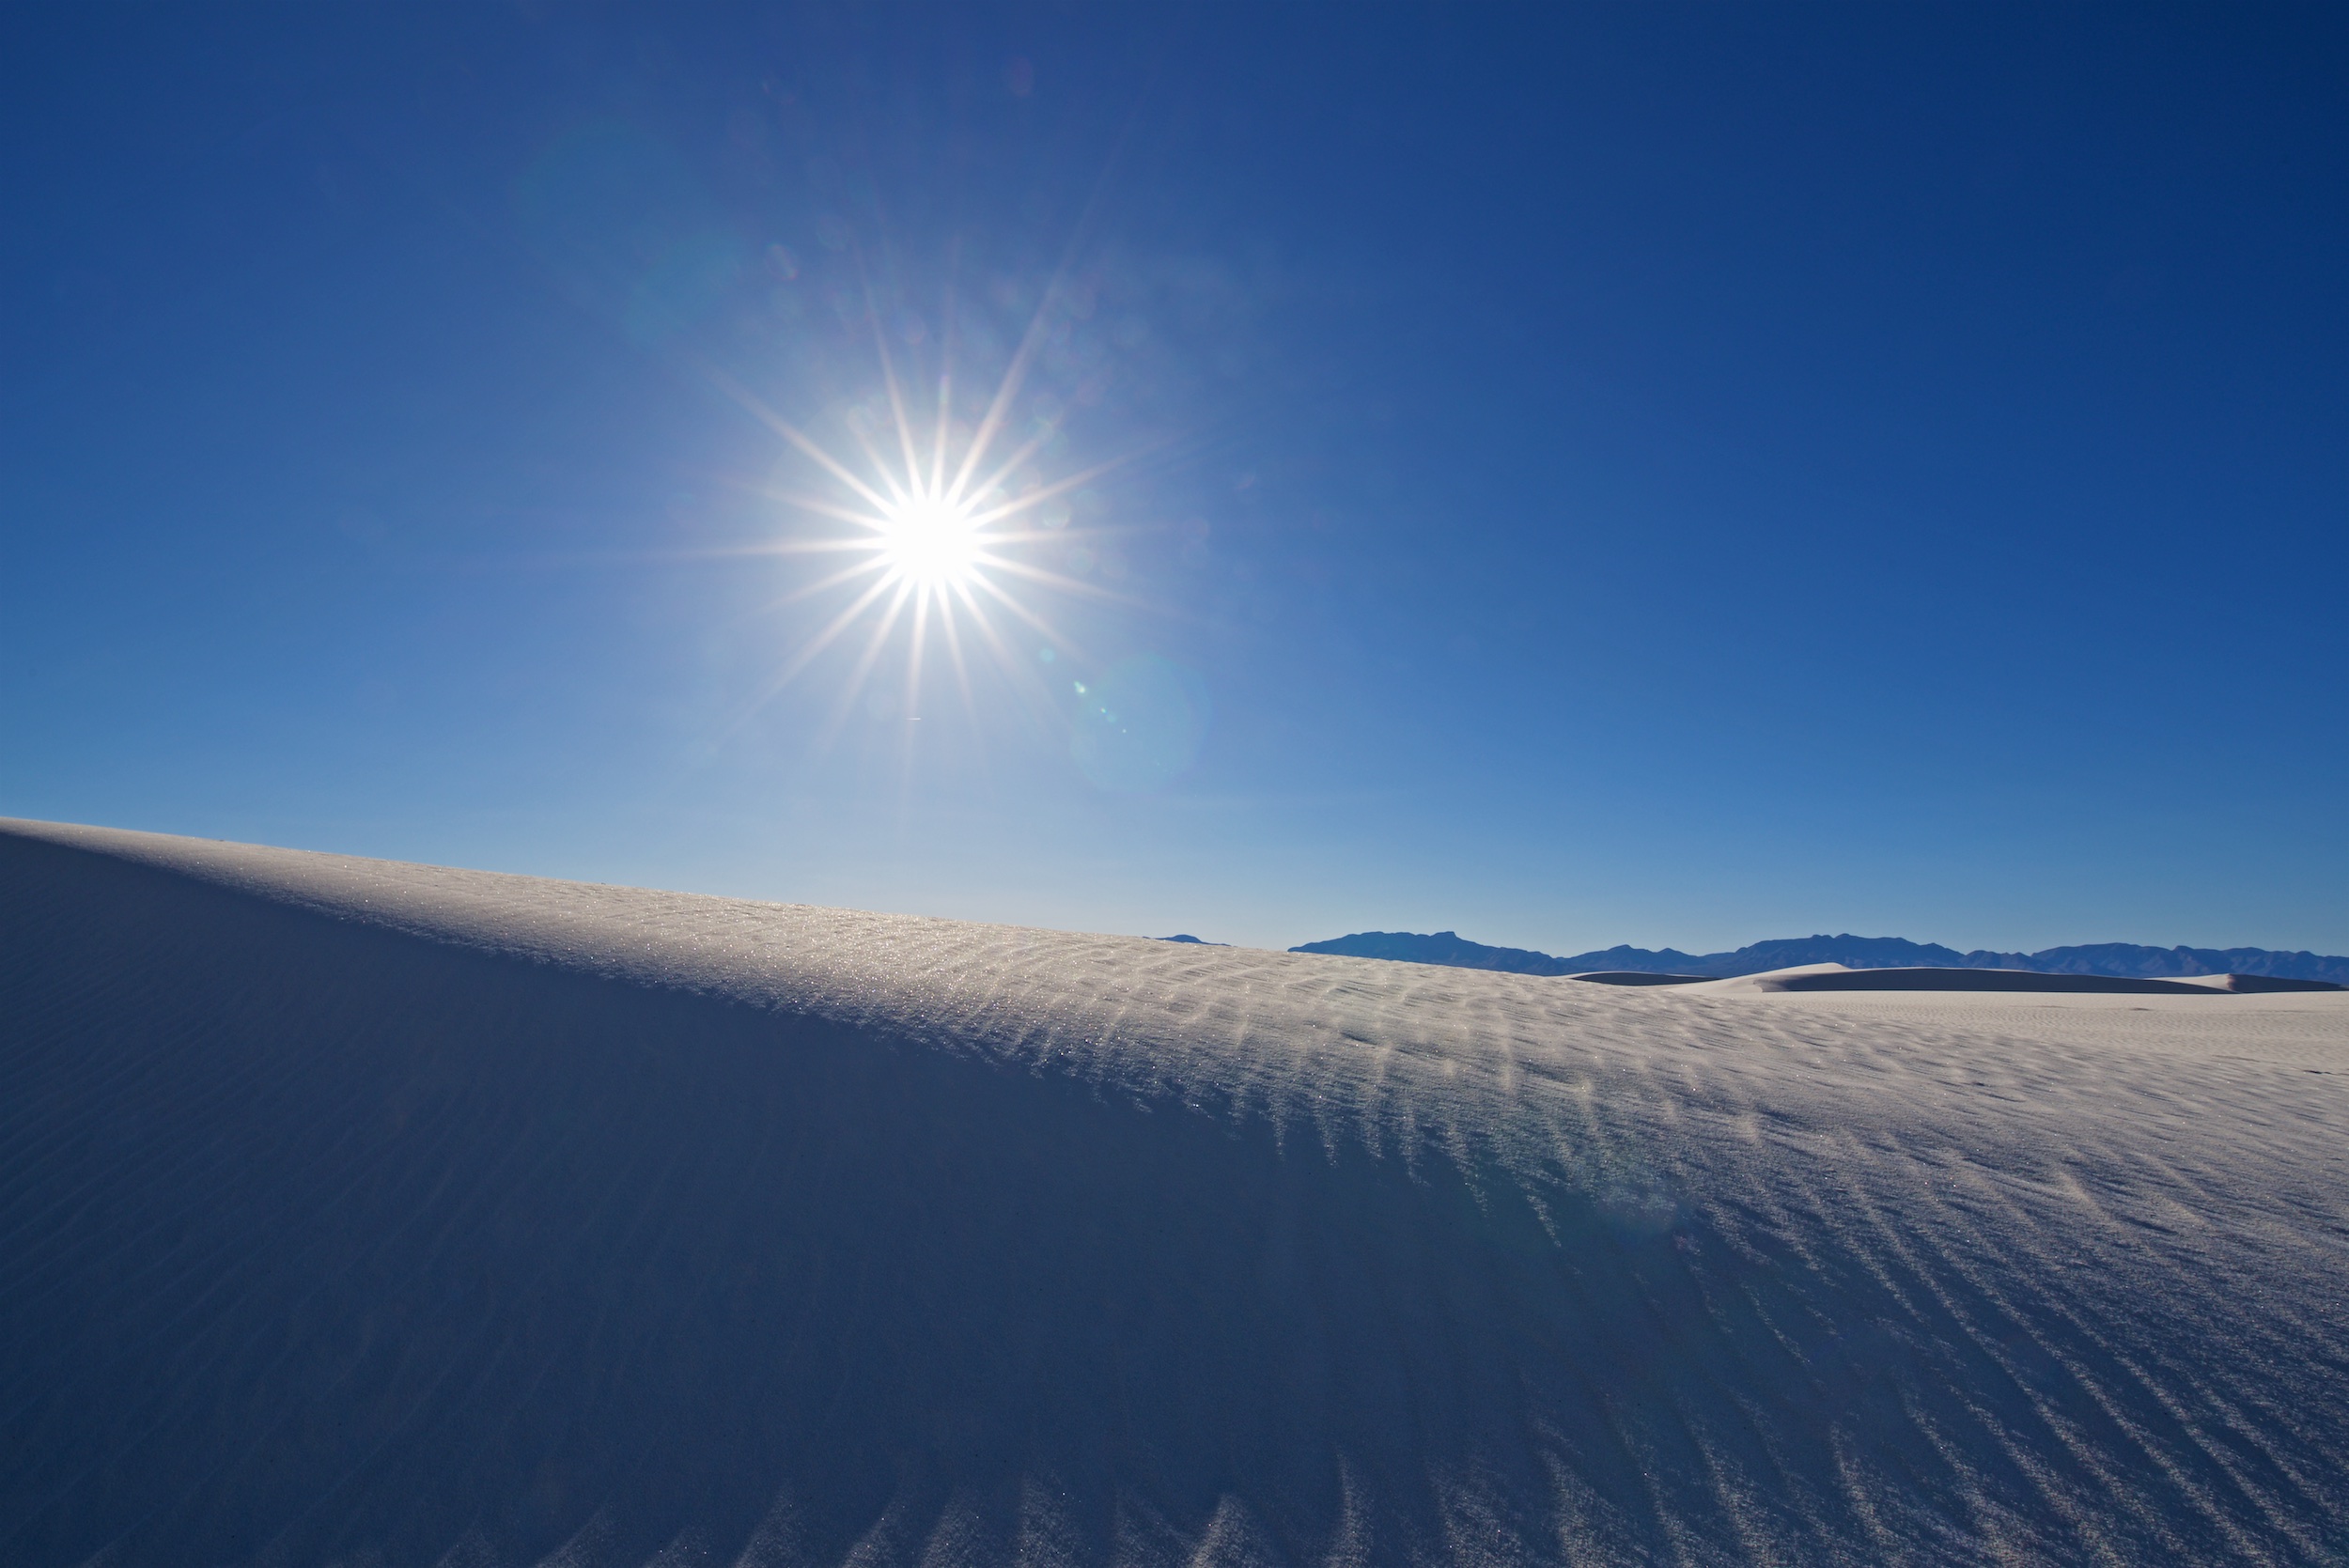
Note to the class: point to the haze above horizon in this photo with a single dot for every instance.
(1670, 475)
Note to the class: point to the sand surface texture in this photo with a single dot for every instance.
(378, 1213)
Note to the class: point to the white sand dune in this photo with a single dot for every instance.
(365, 1213)
(1842, 977)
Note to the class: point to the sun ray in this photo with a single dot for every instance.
(896, 398)
(946, 324)
(797, 547)
(792, 433)
(768, 547)
(1045, 492)
(914, 649)
(1044, 536)
(1022, 673)
(808, 655)
(1013, 375)
(954, 650)
(823, 638)
(1024, 612)
(804, 591)
(863, 668)
(897, 493)
(821, 507)
(945, 411)
(847, 574)
(1010, 465)
(945, 424)
(1065, 584)
(874, 548)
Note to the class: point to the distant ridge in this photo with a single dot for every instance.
(2129, 959)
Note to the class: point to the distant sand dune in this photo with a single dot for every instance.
(1836, 977)
(354, 1212)
(1635, 977)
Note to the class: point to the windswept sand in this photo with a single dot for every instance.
(366, 1213)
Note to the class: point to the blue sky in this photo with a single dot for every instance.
(1675, 475)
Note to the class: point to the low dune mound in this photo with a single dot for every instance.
(364, 1213)
(1634, 977)
(2250, 984)
(1837, 977)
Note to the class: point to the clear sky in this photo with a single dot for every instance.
(1674, 475)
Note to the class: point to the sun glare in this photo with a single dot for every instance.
(938, 529)
(931, 542)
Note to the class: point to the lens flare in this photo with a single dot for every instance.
(939, 525)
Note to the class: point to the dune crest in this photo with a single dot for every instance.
(366, 1212)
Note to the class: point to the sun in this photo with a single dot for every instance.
(944, 522)
(931, 542)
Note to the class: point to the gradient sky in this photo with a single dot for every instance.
(1674, 475)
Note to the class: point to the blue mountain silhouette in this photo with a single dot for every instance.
(1859, 952)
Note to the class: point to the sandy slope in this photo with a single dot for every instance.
(352, 1211)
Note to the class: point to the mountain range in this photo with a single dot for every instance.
(1859, 952)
